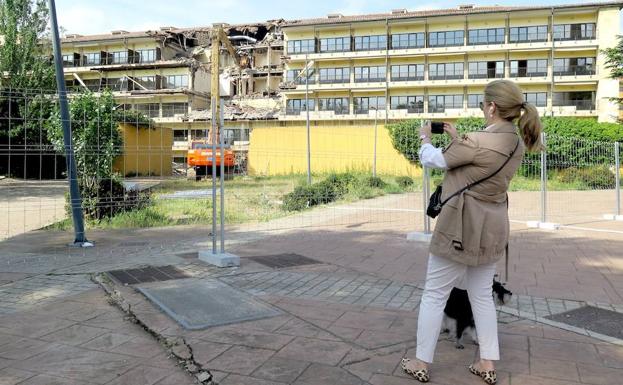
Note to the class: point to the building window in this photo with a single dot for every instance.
(574, 66)
(175, 81)
(334, 75)
(301, 46)
(408, 40)
(151, 110)
(538, 99)
(172, 109)
(446, 39)
(119, 57)
(117, 84)
(407, 72)
(296, 106)
(68, 60)
(474, 100)
(364, 104)
(574, 31)
(339, 106)
(369, 43)
(528, 68)
(292, 76)
(335, 44)
(370, 74)
(145, 56)
(93, 84)
(92, 59)
(485, 70)
(149, 82)
(485, 36)
(528, 34)
(445, 71)
(439, 103)
(413, 104)
(582, 100)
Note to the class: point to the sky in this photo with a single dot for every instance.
(88, 17)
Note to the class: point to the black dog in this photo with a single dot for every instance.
(458, 317)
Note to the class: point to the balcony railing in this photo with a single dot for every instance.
(574, 70)
(529, 39)
(407, 78)
(332, 80)
(294, 111)
(580, 105)
(409, 109)
(338, 110)
(489, 74)
(575, 36)
(527, 72)
(445, 77)
(370, 80)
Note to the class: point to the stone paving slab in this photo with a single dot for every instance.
(79, 339)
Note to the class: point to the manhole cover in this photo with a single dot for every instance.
(284, 260)
(147, 274)
(199, 304)
(602, 321)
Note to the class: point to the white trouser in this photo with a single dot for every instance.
(442, 275)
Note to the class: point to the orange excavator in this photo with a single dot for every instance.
(201, 160)
(200, 156)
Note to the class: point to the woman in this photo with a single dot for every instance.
(472, 229)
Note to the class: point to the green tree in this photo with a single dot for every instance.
(26, 80)
(614, 62)
(97, 142)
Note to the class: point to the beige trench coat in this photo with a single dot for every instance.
(473, 227)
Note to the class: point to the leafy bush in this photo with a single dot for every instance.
(571, 142)
(334, 187)
(375, 182)
(97, 142)
(404, 181)
(405, 135)
(598, 177)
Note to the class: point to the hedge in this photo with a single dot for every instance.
(572, 142)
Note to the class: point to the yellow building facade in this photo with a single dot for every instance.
(435, 64)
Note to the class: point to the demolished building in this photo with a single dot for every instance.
(165, 74)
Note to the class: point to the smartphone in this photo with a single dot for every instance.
(437, 127)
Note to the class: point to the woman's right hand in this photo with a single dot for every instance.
(450, 130)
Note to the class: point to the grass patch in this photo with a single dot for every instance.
(261, 199)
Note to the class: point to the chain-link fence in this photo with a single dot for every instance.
(137, 172)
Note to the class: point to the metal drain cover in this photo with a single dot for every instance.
(592, 318)
(284, 260)
(199, 304)
(147, 274)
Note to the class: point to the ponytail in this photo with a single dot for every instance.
(509, 99)
(530, 127)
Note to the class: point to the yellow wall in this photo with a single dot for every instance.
(276, 150)
(146, 151)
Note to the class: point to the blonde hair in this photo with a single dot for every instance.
(509, 100)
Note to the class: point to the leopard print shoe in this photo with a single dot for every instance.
(420, 375)
(487, 376)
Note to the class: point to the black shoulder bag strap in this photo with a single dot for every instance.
(483, 179)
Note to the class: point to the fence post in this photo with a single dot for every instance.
(617, 173)
(222, 145)
(543, 180)
(72, 174)
(213, 167)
